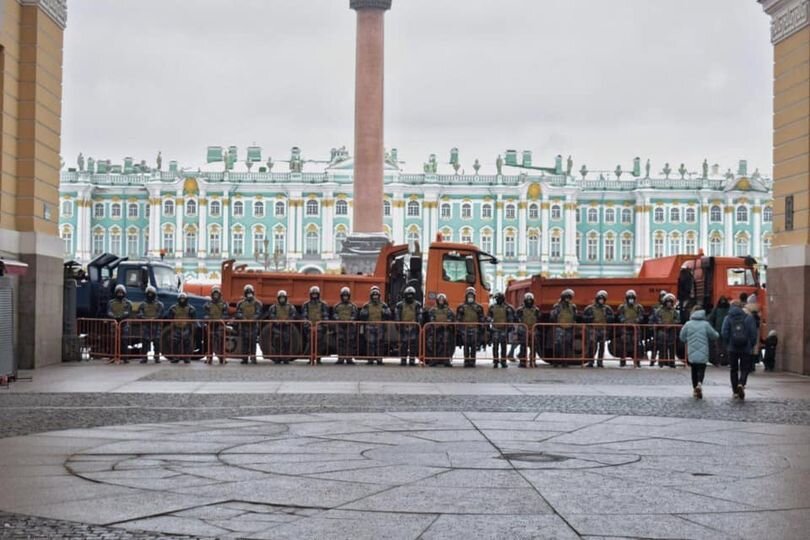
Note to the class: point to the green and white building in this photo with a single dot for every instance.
(295, 214)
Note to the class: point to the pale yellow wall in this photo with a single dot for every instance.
(31, 118)
(792, 136)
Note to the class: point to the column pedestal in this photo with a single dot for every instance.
(361, 251)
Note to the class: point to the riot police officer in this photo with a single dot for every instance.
(598, 314)
(375, 311)
(630, 313)
(248, 310)
(182, 329)
(408, 310)
(441, 338)
(666, 317)
(151, 310)
(500, 315)
(119, 309)
(472, 314)
(564, 313)
(528, 315)
(346, 333)
(315, 311)
(215, 311)
(282, 334)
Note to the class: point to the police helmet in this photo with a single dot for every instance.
(182, 296)
(315, 290)
(281, 293)
(630, 293)
(248, 289)
(120, 288)
(151, 289)
(567, 292)
(410, 290)
(441, 298)
(669, 297)
(345, 291)
(528, 296)
(216, 290)
(470, 290)
(661, 294)
(602, 294)
(374, 290)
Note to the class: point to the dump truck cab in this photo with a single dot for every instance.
(452, 268)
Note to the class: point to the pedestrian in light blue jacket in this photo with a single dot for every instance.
(698, 334)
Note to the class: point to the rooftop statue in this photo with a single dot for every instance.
(159, 160)
(91, 165)
(499, 165)
(477, 165)
(618, 172)
(667, 170)
(682, 170)
(729, 175)
(647, 168)
(705, 168)
(270, 164)
(80, 162)
(569, 166)
(583, 171)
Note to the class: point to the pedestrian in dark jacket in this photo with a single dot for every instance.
(769, 344)
(718, 356)
(698, 335)
(740, 335)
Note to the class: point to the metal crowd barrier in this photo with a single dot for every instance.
(175, 339)
(369, 341)
(281, 342)
(477, 341)
(102, 337)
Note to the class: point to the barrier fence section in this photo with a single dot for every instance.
(281, 342)
(101, 337)
(495, 342)
(371, 341)
(175, 339)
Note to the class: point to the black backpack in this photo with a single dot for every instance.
(739, 335)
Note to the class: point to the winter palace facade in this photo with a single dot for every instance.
(295, 214)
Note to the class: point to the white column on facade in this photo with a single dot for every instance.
(728, 222)
(426, 210)
(83, 226)
(756, 241)
(398, 219)
(297, 224)
(434, 218)
(202, 233)
(704, 225)
(155, 208)
(226, 226)
(498, 235)
(641, 234)
(328, 226)
(522, 237)
(179, 209)
(571, 263)
(545, 247)
(649, 214)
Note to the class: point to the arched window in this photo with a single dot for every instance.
(98, 241)
(447, 234)
(67, 209)
(556, 212)
(658, 214)
(716, 214)
(341, 208)
(691, 215)
(281, 209)
(191, 207)
(534, 244)
(742, 247)
(258, 209)
(610, 248)
(742, 214)
(132, 211)
(556, 245)
(168, 207)
(509, 243)
(215, 209)
(766, 246)
(115, 242)
(674, 244)
(627, 248)
(386, 208)
(340, 238)
(214, 244)
(690, 246)
(593, 215)
(132, 242)
(767, 214)
(510, 211)
(279, 241)
(313, 208)
(413, 239)
(466, 211)
(534, 211)
(486, 211)
(115, 210)
(98, 210)
(627, 216)
(486, 241)
(259, 241)
(67, 238)
(466, 235)
(238, 242)
(413, 209)
(190, 246)
(446, 211)
(238, 209)
(610, 215)
(658, 247)
(715, 246)
(313, 242)
(675, 215)
(592, 253)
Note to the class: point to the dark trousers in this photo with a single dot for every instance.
(698, 371)
(470, 344)
(409, 342)
(499, 339)
(741, 364)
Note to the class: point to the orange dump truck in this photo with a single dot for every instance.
(451, 268)
(693, 279)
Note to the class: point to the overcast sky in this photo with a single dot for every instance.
(604, 80)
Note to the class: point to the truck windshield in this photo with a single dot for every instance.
(486, 264)
(454, 268)
(165, 278)
(741, 277)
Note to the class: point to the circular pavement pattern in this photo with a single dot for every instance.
(420, 475)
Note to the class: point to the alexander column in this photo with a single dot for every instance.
(367, 236)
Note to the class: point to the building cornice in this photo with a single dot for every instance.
(787, 17)
(55, 9)
(370, 4)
